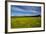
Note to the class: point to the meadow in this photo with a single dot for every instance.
(25, 22)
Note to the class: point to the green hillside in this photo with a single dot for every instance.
(25, 22)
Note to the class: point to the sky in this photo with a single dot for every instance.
(18, 10)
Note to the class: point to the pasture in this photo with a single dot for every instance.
(25, 22)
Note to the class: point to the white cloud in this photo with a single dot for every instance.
(22, 10)
(17, 9)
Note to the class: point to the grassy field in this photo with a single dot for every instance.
(25, 22)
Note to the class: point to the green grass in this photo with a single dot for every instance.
(25, 22)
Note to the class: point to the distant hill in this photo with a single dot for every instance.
(27, 16)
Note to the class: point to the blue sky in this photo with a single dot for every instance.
(18, 10)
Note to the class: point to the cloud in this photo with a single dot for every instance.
(17, 9)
